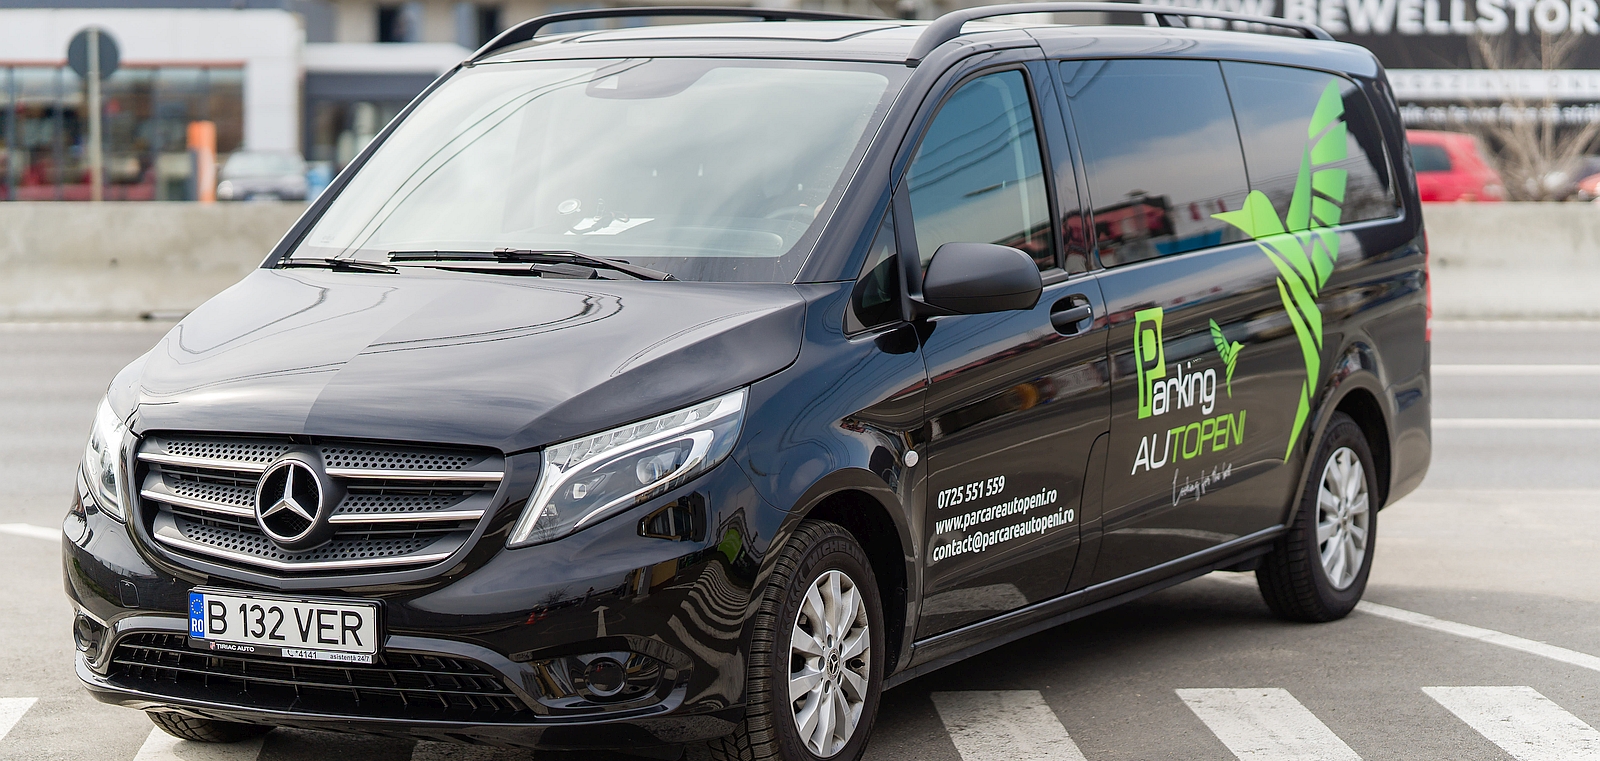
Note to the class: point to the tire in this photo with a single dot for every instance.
(1295, 579)
(817, 552)
(205, 730)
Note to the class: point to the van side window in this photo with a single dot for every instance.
(1161, 155)
(978, 176)
(1274, 105)
(876, 298)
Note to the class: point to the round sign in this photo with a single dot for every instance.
(78, 53)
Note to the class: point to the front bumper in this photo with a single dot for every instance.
(664, 728)
(520, 619)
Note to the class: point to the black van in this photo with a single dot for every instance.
(668, 384)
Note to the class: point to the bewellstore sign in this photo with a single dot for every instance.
(1430, 34)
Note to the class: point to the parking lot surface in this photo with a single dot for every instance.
(1478, 640)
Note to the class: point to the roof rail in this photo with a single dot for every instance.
(526, 30)
(948, 27)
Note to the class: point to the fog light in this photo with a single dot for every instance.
(579, 683)
(87, 634)
(605, 677)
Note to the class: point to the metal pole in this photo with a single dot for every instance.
(12, 152)
(58, 143)
(96, 160)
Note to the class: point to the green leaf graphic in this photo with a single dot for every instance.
(1303, 246)
(1228, 351)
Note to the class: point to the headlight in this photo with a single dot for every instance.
(586, 480)
(102, 461)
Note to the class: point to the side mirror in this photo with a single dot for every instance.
(977, 278)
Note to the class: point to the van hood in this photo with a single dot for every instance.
(509, 362)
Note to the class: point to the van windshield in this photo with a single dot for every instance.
(708, 169)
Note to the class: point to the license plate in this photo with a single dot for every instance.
(284, 627)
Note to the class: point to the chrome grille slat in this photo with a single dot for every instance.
(442, 515)
(198, 504)
(170, 532)
(404, 506)
(413, 475)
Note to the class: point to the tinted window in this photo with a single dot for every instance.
(876, 299)
(977, 177)
(1160, 152)
(1274, 105)
(1430, 158)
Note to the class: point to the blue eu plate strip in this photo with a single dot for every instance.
(197, 615)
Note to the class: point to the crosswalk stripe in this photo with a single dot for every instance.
(1004, 725)
(1521, 721)
(31, 531)
(160, 746)
(1266, 724)
(11, 711)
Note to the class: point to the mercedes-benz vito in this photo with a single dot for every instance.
(697, 383)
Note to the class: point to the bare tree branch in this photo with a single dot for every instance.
(1533, 144)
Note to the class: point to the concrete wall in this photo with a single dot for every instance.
(1514, 260)
(121, 260)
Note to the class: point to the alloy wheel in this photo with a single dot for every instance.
(1342, 517)
(829, 654)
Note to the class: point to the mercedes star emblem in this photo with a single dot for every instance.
(292, 502)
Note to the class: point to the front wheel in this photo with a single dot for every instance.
(1318, 569)
(816, 658)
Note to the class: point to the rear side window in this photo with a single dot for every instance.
(1430, 158)
(1274, 105)
(978, 177)
(1161, 154)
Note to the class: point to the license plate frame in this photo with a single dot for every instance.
(297, 634)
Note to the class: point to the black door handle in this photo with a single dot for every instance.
(1066, 317)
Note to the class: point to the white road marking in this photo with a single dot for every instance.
(11, 711)
(1522, 722)
(90, 326)
(1517, 326)
(1569, 657)
(31, 531)
(1266, 724)
(1531, 423)
(1506, 370)
(160, 746)
(1004, 725)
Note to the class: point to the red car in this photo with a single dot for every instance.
(1451, 167)
(1589, 188)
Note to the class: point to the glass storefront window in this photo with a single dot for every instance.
(146, 112)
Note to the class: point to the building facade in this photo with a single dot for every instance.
(320, 78)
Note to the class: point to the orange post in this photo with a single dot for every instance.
(203, 148)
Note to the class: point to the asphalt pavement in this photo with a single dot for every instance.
(1479, 638)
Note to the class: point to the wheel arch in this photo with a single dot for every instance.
(869, 508)
(1354, 387)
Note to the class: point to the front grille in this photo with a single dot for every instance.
(403, 507)
(399, 686)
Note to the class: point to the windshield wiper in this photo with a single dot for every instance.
(339, 265)
(528, 256)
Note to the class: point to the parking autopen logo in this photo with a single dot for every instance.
(1303, 245)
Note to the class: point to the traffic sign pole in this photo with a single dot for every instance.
(97, 169)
